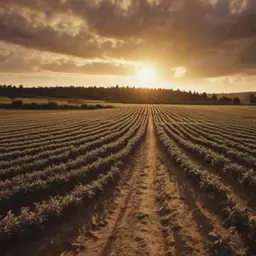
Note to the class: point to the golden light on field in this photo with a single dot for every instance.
(146, 76)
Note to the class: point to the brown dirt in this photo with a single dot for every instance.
(133, 227)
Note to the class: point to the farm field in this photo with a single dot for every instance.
(132, 180)
(60, 101)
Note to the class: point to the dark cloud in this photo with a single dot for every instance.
(244, 26)
(248, 56)
(237, 57)
(16, 28)
(16, 63)
(213, 66)
(168, 33)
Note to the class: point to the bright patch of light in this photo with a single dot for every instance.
(146, 76)
(179, 72)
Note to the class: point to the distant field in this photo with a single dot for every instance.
(243, 96)
(9, 112)
(59, 101)
(181, 178)
(45, 100)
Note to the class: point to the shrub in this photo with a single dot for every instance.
(17, 103)
(236, 101)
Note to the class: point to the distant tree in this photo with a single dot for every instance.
(252, 98)
(214, 98)
(111, 94)
(190, 96)
(236, 101)
(34, 105)
(225, 100)
(52, 105)
(205, 97)
(193, 97)
(12, 97)
(17, 103)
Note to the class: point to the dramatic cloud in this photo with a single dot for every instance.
(21, 60)
(211, 38)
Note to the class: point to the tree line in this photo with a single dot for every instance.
(117, 94)
(52, 105)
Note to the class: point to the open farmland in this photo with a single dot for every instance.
(133, 180)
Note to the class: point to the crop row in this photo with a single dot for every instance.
(206, 133)
(52, 120)
(56, 179)
(218, 126)
(209, 128)
(44, 133)
(235, 155)
(74, 130)
(245, 177)
(75, 122)
(60, 155)
(18, 225)
(241, 158)
(32, 123)
(213, 116)
(29, 129)
(69, 139)
(227, 125)
(233, 214)
(29, 223)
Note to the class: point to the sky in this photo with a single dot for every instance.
(198, 45)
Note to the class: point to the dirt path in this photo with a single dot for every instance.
(151, 216)
(133, 227)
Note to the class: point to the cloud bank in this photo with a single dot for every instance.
(211, 38)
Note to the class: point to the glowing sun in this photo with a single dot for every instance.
(146, 75)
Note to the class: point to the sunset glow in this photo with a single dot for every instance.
(188, 45)
(179, 72)
(146, 75)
